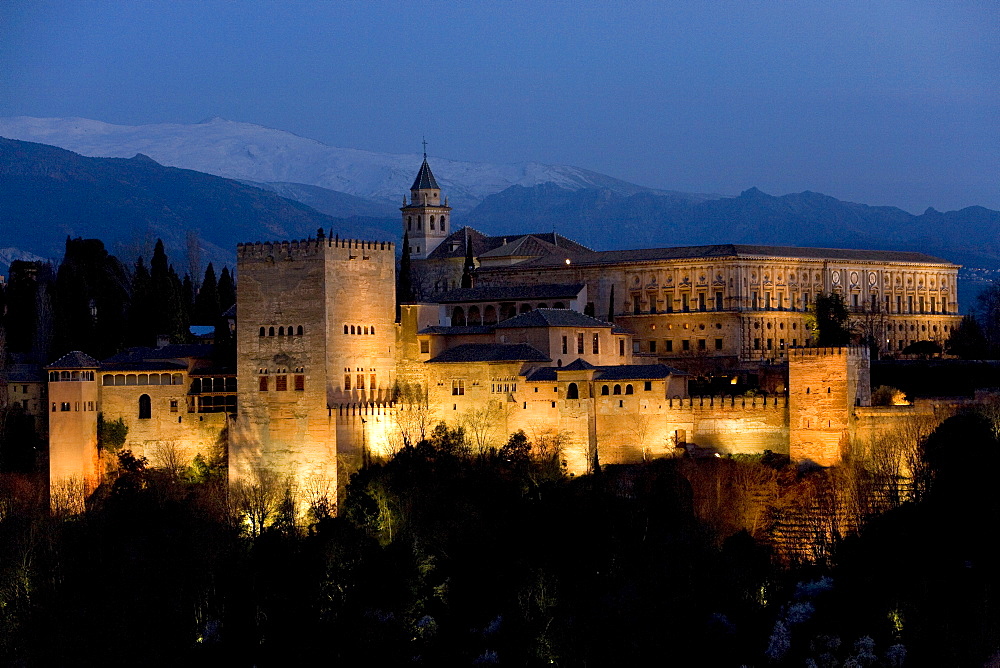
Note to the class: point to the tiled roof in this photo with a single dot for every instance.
(457, 331)
(552, 317)
(483, 244)
(162, 365)
(425, 179)
(491, 352)
(75, 360)
(499, 293)
(636, 372)
(579, 364)
(526, 246)
(171, 352)
(25, 373)
(734, 251)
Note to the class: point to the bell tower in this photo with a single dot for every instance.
(425, 219)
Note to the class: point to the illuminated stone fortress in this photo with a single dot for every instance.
(328, 375)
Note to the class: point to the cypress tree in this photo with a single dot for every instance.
(470, 263)
(207, 304)
(141, 326)
(611, 304)
(227, 289)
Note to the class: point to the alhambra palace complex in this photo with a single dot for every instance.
(328, 374)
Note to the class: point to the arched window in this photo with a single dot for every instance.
(366, 331)
(629, 389)
(130, 379)
(618, 389)
(572, 392)
(474, 317)
(558, 305)
(542, 305)
(262, 331)
(525, 308)
(281, 331)
(164, 379)
(604, 391)
(270, 331)
(298, 330)
(119, 379)
(145, 407)
(108, 379)
(419, 226)
(345, 329)
(352, 329)
(409, 223)
(432, 222)
(458, 317)
(373, 330)
(443, 222)
(490, 316)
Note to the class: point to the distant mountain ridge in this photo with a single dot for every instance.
(249, 152)
(605, 220)
(48, 193)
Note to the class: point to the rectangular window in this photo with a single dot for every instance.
(347, 382)
(685, 302)
(636, 307)
(425, 346)
(887, 303)
(360, 378)
(770, 344)
(753, 300)
(457, 388)
(668, 299)
(651, 297)
(767, 301)
(647, 386)
(909, 304)
(621, 347)
(922, 310)
(874, 302)
(64, 406)
(652, 345)
(685, 344)
(702, 344)
(371, 385)
(669, 343)
(718, 301)
(781, 344)
(854, 300)
(805, 301)
(565, 347)
(701, 301)
(597, 344)
(262, 383)
(635, 345)
(300, 382)
(579, 343)
(899, 304)
(281, 383)
(756, 344)
(718, 344)
(24, 404)
(173, 405)
(933, 304)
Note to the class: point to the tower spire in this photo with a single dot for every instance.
(424, 142)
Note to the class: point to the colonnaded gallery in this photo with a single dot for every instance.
(607, 356)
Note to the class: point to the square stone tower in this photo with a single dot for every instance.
(824, 386)
(315, 330)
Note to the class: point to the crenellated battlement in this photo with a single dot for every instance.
(726, 402)
(304, 248)
(837, 351)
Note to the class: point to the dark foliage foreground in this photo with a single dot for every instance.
(442, 557)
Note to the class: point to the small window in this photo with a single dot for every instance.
(64, 406)
(261, 331)
(617, 390)
(145, 407)
(702, 344)
(572, 391)
(669, 346)
(457, 388)
(621, 347)
(347, 382)
(579, 343)
(425, 346)
(605, 390)
(647, 386)
(718, 344)
(281, 331)
(652, 346)
(685, 345)
(565, 345)
(629, 389)
(360, 381)
(371, 384)
(281, 383)
(262, 383)
(345, 329)
(173, 405)
(270, 331)
(597, 344)
(300, 382)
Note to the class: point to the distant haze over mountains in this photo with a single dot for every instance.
(360, 192)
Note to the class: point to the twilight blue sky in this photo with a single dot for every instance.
(877, 102)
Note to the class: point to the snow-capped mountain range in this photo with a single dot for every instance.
(255, 153)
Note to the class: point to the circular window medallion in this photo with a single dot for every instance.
(854, 277)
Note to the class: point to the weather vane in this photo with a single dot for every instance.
(425, 147)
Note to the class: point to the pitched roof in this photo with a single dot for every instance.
(425, 179)
(158, 357)
(454, 244)
(733, 251)
(457, 331)
(75, 360)
(491, 352)
(161, 365)
(525, 246)
(25, 373)
(499, 293)
(579, 364)
(552, 317)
